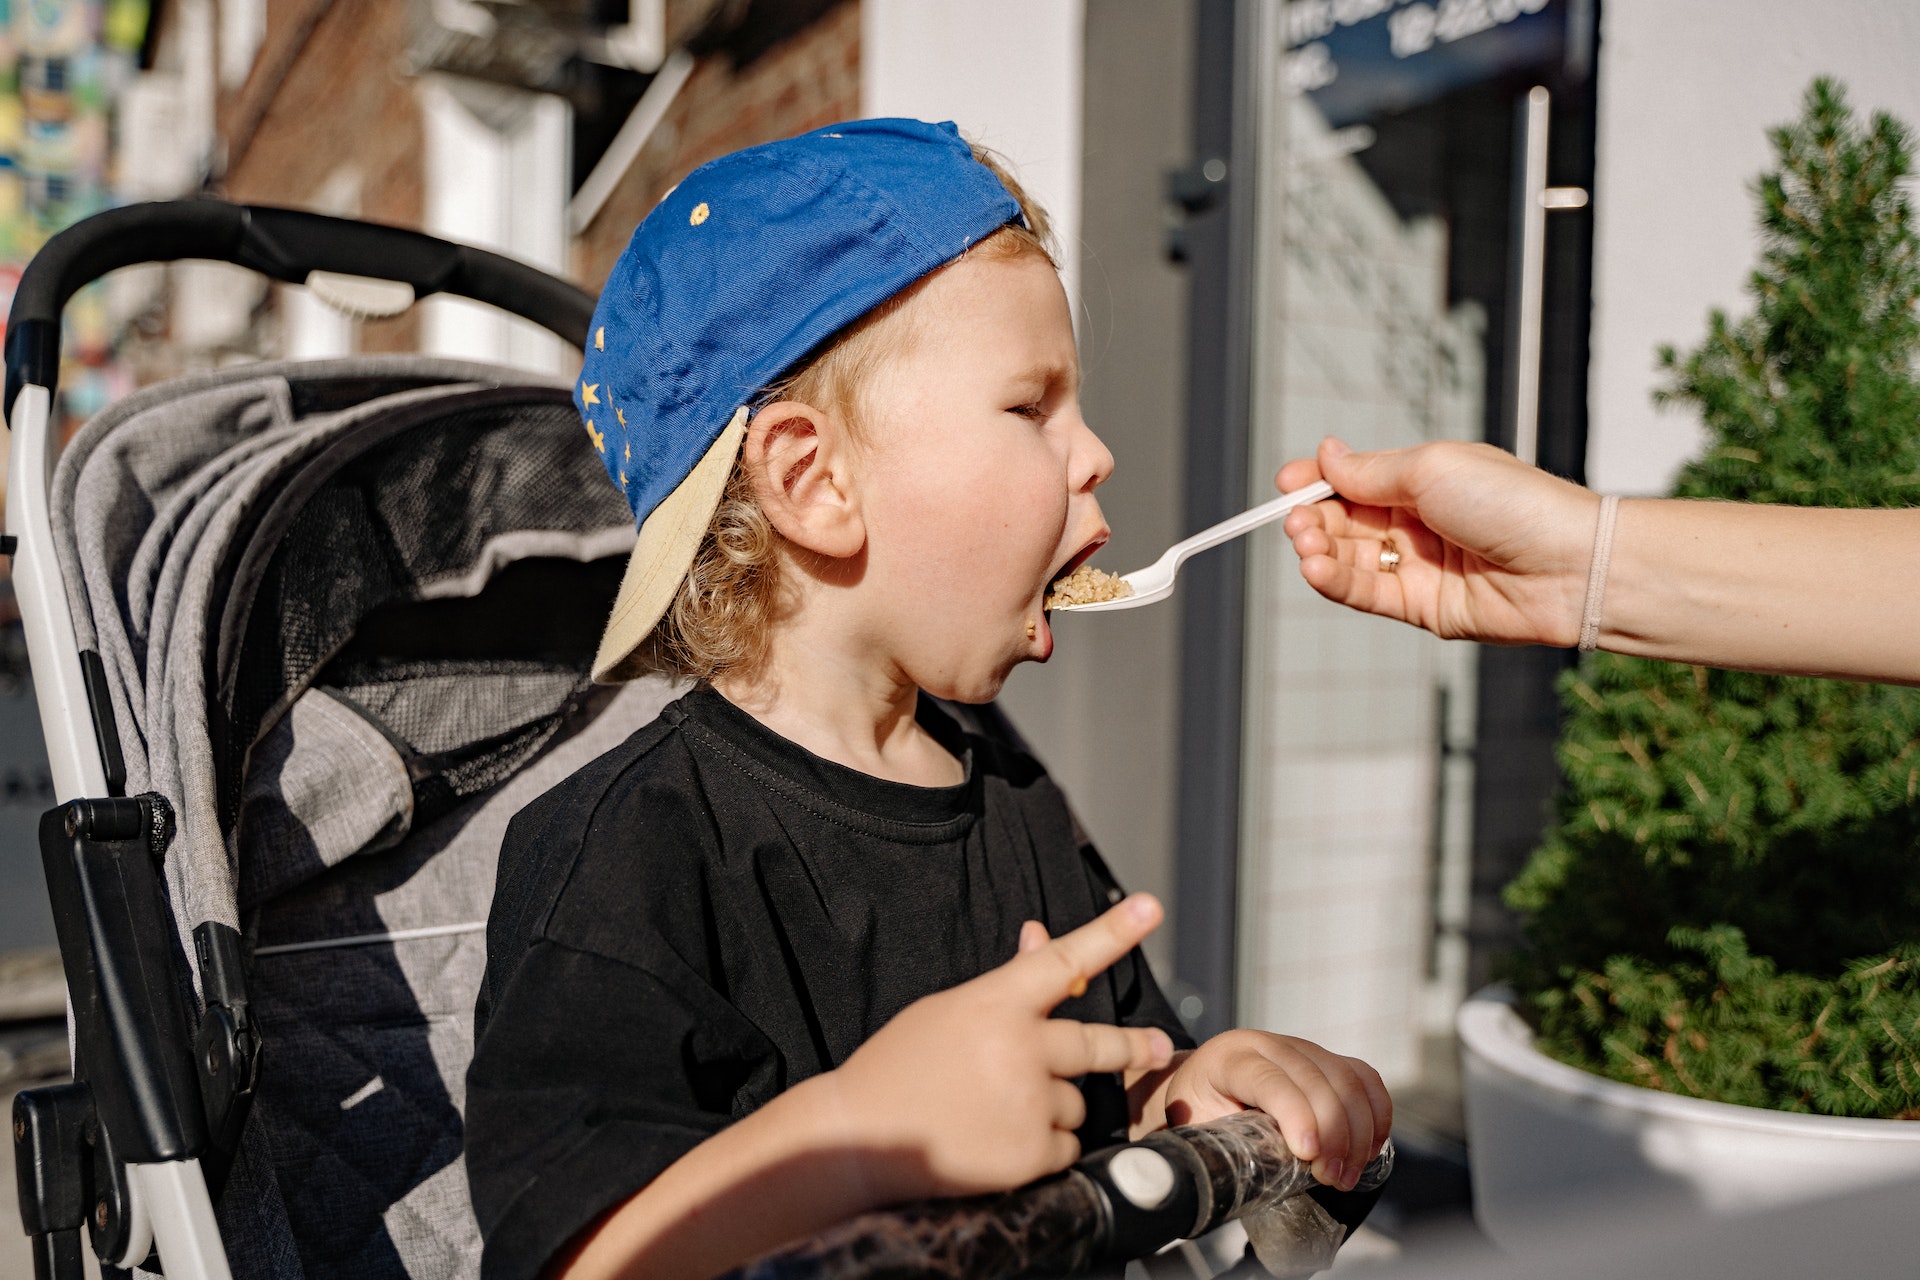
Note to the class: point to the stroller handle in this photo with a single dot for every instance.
(286, 244)
(1111, 1207)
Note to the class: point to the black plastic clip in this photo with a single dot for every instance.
(93, 674)
(226, 1051)
(50, 1128)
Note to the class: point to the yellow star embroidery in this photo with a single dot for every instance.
(622, 415)
(623, 479)
(600, 338)
(589, 393)
(628, 453)
(599, 438)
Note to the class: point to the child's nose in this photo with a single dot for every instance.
(1092, 461)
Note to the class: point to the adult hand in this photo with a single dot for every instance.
(968, 1090)
(1490, 548)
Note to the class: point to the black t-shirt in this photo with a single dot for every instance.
(708, 914)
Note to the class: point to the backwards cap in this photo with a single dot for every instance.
(746, 267)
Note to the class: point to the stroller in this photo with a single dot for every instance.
(304, 638)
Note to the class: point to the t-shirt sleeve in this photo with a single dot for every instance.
(579, 1096)
(597, 1065)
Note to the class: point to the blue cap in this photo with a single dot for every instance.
(750, 264)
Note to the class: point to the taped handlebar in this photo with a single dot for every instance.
(1113, 1206)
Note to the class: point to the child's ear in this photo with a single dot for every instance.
(799, 461)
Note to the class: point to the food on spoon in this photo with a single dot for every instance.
(1088, 585)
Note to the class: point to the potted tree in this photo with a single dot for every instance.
(1719, 1000)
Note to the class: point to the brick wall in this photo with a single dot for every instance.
(329, 92)
(809, 80)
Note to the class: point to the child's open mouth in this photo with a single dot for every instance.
(1040, 629)
(1068, 569)
(1080, 583)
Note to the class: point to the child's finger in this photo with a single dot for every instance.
(1069, 1106)
(1078, 1048)
(1305, 1103)
(1379, 1100)
(1360, 1117)
(1062, 1147)
(1062, 968)
(1033, 936)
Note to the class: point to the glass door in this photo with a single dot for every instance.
(1419, 273)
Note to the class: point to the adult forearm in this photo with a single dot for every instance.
(1789, 589)
(784, 1172)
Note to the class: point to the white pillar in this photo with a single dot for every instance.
(497, 176)
(1007, 72)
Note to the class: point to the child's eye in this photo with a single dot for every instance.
(1031, 412)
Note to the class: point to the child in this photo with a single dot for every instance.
(789, 953)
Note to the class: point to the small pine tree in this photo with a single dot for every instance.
(1728, 903)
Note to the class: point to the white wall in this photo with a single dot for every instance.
(1687, 92)
(1006, 71)
(496, 177)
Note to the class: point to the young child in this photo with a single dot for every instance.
(790, 952)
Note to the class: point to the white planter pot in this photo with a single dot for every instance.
(1548, 1142)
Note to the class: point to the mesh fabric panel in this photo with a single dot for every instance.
(384, 523)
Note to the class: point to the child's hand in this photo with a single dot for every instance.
(967, 1091)
(1332, 1110)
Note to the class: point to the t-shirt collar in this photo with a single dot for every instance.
(862, 792)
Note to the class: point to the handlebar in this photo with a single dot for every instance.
(1115, 1205)
(285, 244)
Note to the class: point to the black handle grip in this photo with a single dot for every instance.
(285, 244)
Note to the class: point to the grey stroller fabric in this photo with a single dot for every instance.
(319, 592)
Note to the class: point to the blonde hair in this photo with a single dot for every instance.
(721, 618)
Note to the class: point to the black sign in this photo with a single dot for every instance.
(1358, 59)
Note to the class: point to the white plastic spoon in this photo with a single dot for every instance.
(1155, 582)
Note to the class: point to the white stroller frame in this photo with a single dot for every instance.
(156, 1078)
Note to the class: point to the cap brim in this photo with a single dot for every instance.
(669, 539)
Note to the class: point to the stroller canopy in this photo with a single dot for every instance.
(345, 613)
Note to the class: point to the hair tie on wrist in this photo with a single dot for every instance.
(1597, 574)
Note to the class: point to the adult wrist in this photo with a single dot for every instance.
(1598, 564)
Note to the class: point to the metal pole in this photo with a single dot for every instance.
(1533, 263)
(1213, 608)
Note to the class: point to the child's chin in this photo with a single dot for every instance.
(984, 687)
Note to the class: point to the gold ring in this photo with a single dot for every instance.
(1389, 558)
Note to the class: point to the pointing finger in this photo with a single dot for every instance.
(1063, 967)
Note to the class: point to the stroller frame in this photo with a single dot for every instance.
(118, 1151)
